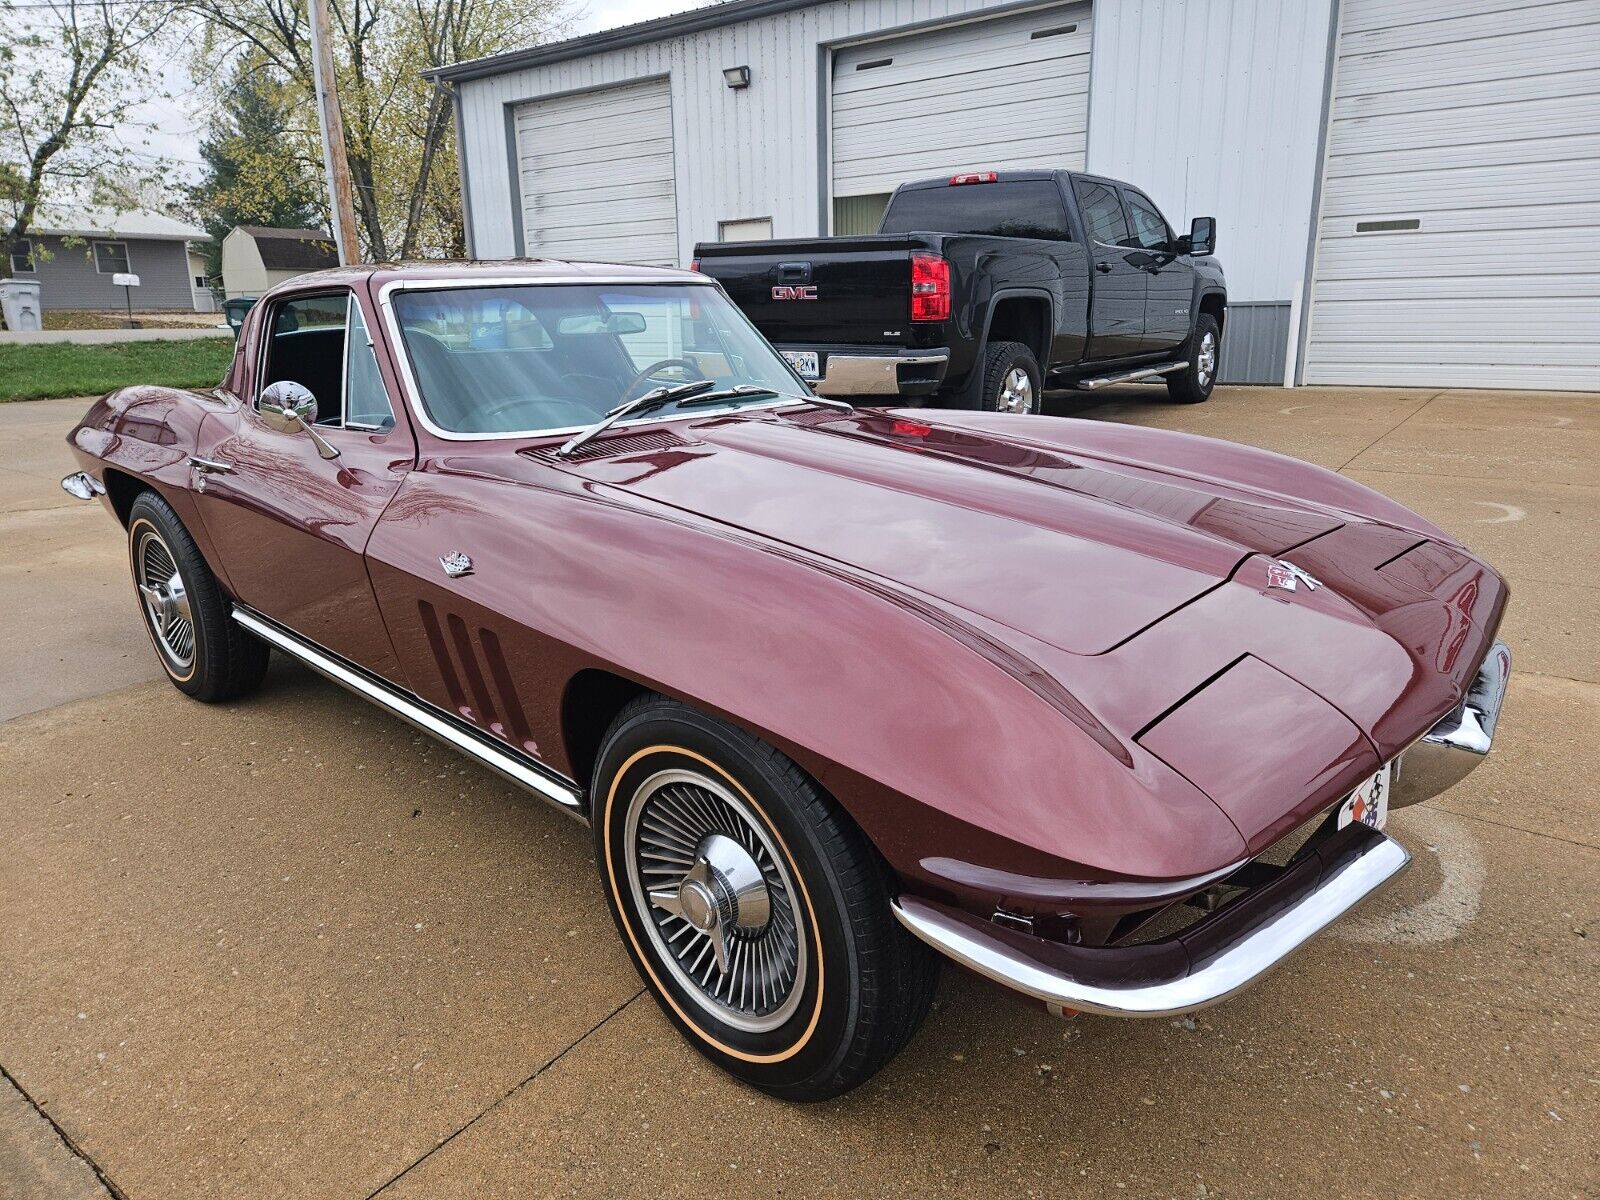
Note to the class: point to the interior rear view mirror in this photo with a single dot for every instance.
(619, 323)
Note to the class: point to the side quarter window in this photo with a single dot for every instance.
(366, 400)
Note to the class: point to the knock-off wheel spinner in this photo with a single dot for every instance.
(716, 899)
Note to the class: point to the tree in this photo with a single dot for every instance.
(254, 161)
(399, 134)
(70, 72)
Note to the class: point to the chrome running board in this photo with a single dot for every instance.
(1134, 376)
(549, 785)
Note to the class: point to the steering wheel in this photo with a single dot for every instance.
(650, 371)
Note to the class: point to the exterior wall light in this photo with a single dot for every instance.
(736, 77)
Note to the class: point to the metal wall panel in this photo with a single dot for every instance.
(1255, 343)
(1459, 211)
(1234, 134)
(1215, 109)
(596, 175)
(1010, 92)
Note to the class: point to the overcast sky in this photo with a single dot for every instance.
(168, 129)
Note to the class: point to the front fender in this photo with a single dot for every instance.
(933, 737)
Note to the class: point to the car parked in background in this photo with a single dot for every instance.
(1111, 715)
(981, 289)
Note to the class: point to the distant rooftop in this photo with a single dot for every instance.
(292, 249)
(110, 222)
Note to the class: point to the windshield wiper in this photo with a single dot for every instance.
(683, 394)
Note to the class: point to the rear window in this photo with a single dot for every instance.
(1027, 209)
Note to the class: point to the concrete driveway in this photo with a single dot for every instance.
(290, 948)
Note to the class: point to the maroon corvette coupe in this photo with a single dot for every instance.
(1111, 715)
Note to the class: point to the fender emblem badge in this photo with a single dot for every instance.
(1285, 575)
(456, 564)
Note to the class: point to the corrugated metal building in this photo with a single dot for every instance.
(1407, 193)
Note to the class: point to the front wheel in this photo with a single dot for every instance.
(1193, 384)
(203, 650)
(753, 909)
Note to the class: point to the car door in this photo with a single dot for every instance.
(1171, 276)
(291, 525)
(1117, 303)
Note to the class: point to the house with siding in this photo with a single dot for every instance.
(73, 255)
(255, 258)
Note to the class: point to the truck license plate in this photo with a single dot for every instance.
(803, 361)
(1369, 803)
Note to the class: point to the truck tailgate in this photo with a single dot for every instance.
(843, 290)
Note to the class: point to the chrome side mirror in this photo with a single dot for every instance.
(288, 407)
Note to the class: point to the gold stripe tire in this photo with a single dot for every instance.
(860, 984)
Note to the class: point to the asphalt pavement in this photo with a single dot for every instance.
(289, 947)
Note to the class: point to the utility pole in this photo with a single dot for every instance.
(340, 200)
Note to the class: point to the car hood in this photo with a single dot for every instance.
(1077, 552)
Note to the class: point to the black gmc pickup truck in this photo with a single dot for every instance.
(979, 288)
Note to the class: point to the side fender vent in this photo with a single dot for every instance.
(481, 690)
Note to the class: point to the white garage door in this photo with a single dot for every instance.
(596, 174)
(1460, 235)
(1009, 92)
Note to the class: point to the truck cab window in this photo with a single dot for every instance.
(1024, 208)
(1150, 230)
(1102, 212)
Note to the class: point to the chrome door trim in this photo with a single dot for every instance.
(543, 782)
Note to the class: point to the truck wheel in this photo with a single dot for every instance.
(753, 909)
(204, 651)
(1010, 381)
(1193, 384)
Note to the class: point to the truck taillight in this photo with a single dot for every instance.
(975, 177)
(695, 265)
(930, 288)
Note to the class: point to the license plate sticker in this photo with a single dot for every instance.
(803, 361)
(1369, 803)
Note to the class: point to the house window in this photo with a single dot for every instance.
(200, 284)
(111, 258)
(22, 256)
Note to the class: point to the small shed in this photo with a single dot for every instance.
(255, 257)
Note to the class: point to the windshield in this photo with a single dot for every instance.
(546, 358)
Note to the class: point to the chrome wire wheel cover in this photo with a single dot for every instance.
(716, 899)
(1205, 362)
(165, 599)
(1016, 392)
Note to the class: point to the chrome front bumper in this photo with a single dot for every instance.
(1241, 943)
(877, 374)
(83, 485)
(1448, 753)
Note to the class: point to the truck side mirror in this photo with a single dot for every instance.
(1203, 235)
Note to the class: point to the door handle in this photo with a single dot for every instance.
(1103, 267)
(210, 466)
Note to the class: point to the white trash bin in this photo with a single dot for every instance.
(19, 301)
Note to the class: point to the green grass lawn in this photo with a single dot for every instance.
(37, 372)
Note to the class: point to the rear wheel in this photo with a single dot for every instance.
(1010, 380)
(1193, 385)
(754, 910)
(202, 649)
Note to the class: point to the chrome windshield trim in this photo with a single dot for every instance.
(1230, 972)
(550, 785)
(413, 393)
